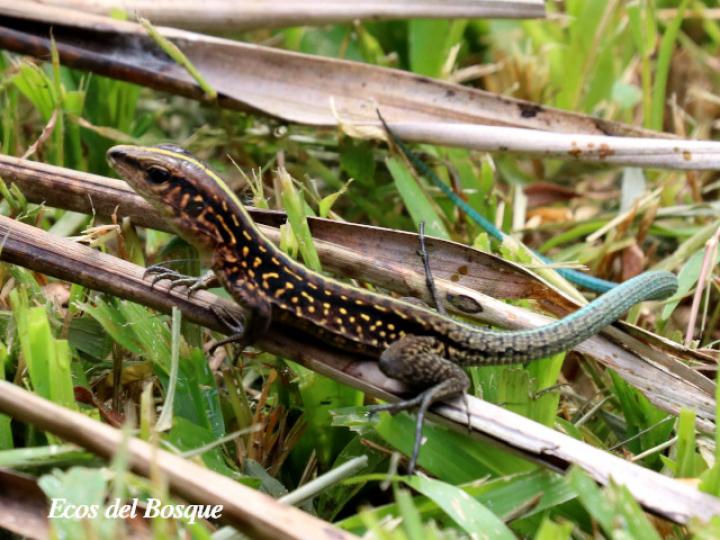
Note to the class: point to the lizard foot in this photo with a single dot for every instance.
(177, 279)
(238, 333)
(422, 402)
(418, 362)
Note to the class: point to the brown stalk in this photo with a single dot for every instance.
(252, 512)
(23, 505)
(295, 87)
(237, 15)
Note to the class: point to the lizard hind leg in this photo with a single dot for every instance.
(418, 362)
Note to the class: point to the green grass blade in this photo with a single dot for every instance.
(635, 521)
(39, 351)
(85, 488)
(662, 67)
(61, 388)
(165, 420)
(472, 516)
(114, 324)
(58, 134)
(197, 396)
(430, 42)
(177, 55)
(643, 30)
(702, 530)
(502, 495)
(687, 280)
(451, 456)
(186, 436)
(44, 456)
(418, 204)
(592, 499)
(322, 396)
(545, 374)
(6, 439)
(411, 519)
(549, 530)
(37, 87)
(297, 217)
(688, 463)
(710, 482)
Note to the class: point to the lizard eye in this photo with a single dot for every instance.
(157, 175)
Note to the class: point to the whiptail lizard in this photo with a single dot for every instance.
(418, 346)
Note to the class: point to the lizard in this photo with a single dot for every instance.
(420, 347)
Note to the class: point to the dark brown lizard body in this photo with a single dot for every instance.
(413, 344)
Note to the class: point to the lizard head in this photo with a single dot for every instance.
(184, 190)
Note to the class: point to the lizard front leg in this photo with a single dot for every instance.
(243, 332)
(248, 331)
(249, 296)
(177, 279)
(418, 361)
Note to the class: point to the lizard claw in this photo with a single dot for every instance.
(236, 326)
(177, 279)
(422, 401)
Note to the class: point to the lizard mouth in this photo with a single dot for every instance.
(121, 159)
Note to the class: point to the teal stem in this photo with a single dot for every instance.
(580, 279)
